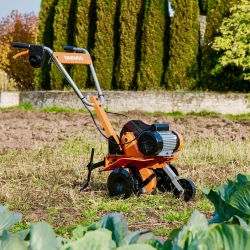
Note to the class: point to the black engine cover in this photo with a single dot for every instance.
(150, 143)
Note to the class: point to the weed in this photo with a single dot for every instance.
(161, 231)
(20, 226)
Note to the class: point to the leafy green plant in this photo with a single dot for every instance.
(197, 234)
(231, 201)
(222, 231)
(111, 232)
(8, 219)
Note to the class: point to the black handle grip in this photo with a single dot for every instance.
(21, 45)
(71, 48)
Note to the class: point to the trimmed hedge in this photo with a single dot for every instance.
(150, 72)
(104, 49)
(45, 37)
(63, 35)
(131, 19)
(183, 67)
(84, 38)
(133, 46)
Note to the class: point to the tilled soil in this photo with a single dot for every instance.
(32, 129)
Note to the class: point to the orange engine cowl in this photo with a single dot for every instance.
(180, 141)
(151, 185)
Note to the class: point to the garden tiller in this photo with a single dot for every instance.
(139, 157)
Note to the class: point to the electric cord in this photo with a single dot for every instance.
(119, 144)
(108, 112)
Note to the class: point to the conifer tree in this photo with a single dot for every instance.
(85, 27)
(131, 18)
(45, 37)
(183, 70)
(154, 28)
(63, 35)
(203, 6)
(106, 41)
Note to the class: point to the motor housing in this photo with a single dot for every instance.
(159, 140)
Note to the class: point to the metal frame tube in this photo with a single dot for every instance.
(72, 83)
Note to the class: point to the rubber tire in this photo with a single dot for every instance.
(189, 189)
(165, 184)
(120, 183)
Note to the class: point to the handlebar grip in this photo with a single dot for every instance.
(21, 54)
(71, 48)
(21, 45)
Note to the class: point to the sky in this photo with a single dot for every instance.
(27, 6)
(22, 6)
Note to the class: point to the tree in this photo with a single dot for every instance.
(45, 37)
(234, 42)
(154, 29)
(85, 27)
(217, 10)
(106, 41)
(131, 19)
(203, 6)
(183, 67)
(63, 35)
(18, 28)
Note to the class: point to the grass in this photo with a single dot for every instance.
(29, 107)
(203, 113)
(239, 117)
(42, 185)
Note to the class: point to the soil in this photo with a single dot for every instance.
(32, 129)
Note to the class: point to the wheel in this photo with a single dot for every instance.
(120, 183)
(164, 183)
(189, 189)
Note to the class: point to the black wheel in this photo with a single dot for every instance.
(189, 189)
(120, 183)
(164, 183)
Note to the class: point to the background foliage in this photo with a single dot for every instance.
(45, 36)
(17, 27)
(217, 10)
(183, 70)
(154, 29)
(106, 40)
(63, 27)
(131, 20)
(137, 45)
(233, 45)
(84, 32)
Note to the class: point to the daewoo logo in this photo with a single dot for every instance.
(79, 58)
